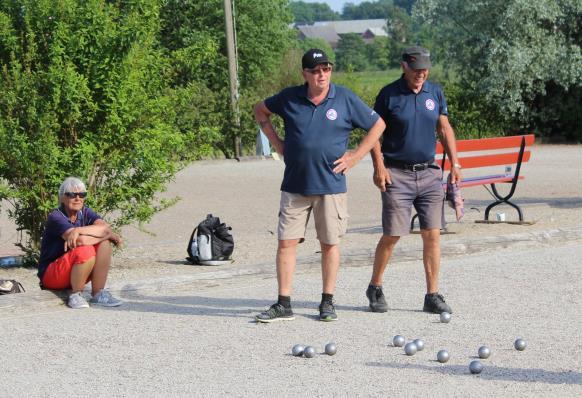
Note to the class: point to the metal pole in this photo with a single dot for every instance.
(232, 73)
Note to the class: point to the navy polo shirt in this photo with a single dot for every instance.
(317, 135)
(52, 245)
(411, 120)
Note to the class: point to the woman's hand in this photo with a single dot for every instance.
(71, 237)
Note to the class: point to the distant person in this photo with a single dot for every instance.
(76, 248)
(318, 117)
(405, 170)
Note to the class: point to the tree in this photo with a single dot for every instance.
(83, 93)
(367, 10)
(308, 13)
(193, 33)
(522, 57)
(351, 53)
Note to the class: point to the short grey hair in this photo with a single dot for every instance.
(70, 184)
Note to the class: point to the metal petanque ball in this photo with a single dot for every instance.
(445, 317)
(309, 352)
(410, 349)
(297, 350)
(398, 341)
(419, 344)
(443, 356)
(520, 344)
(476, 367)
(330, 348)
(484, 352)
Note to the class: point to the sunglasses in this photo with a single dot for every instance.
(72, 195)
(325, 69)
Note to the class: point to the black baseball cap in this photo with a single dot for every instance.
(314, 57)
(417, 57)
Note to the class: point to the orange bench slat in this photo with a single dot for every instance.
(471, 162)
(485, 144)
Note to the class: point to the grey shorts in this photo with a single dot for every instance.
(330, 214)
(421, 189)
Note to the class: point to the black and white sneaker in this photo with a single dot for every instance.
(275, 313)
(377, 300)
(327, 311)
(435, 303)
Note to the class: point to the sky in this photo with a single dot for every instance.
(335, 5)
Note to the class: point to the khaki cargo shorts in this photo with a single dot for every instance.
(330, 214)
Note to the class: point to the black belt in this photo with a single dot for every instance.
(410, 166)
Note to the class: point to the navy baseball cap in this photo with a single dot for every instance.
(417, 57)
(314, 57)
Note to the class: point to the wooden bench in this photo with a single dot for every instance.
(502, 151)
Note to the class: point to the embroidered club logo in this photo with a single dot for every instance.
(331, 114)
(429, 104)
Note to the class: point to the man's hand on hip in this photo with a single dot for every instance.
(346, 162)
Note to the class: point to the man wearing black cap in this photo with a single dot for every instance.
(318, 118)
(406, 173)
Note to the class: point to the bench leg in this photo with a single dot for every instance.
(492, 205)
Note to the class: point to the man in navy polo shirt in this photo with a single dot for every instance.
(318, 118)
(414, 109)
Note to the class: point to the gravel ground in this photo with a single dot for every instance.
(189, 331)
(200, 340)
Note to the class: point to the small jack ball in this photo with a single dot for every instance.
(398, 341)
(484, 352)
(309, 352)
(443, 356)
(520, 344)
(330, 348)
(476, 367)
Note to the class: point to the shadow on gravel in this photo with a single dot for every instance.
(494, 373)
(220, 307)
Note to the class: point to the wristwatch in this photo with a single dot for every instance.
(457, 166)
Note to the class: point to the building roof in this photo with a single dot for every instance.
(354, 26)
(375, 32)
(326, 33)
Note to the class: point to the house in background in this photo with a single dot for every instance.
(326, 33)
(331, 31)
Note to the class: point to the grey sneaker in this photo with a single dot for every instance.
(105, 299)
(77, 301)
(275, 313)
(327, 311)
(435, 303)
(377, 300)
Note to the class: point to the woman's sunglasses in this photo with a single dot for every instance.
(72, 195)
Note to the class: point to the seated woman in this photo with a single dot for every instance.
(76, 248)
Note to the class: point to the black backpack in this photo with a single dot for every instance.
(210, 243)
(9, 286)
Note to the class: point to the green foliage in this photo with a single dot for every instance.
(351, 53)
(522, 57)
(367, 10)
(83, 93)
(308, 13)
(193, 34)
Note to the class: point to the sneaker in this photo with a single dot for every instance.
(275, 313)
(77, 301)
(377, 299)
(435, 303)
(327, 311)
(105, 299)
